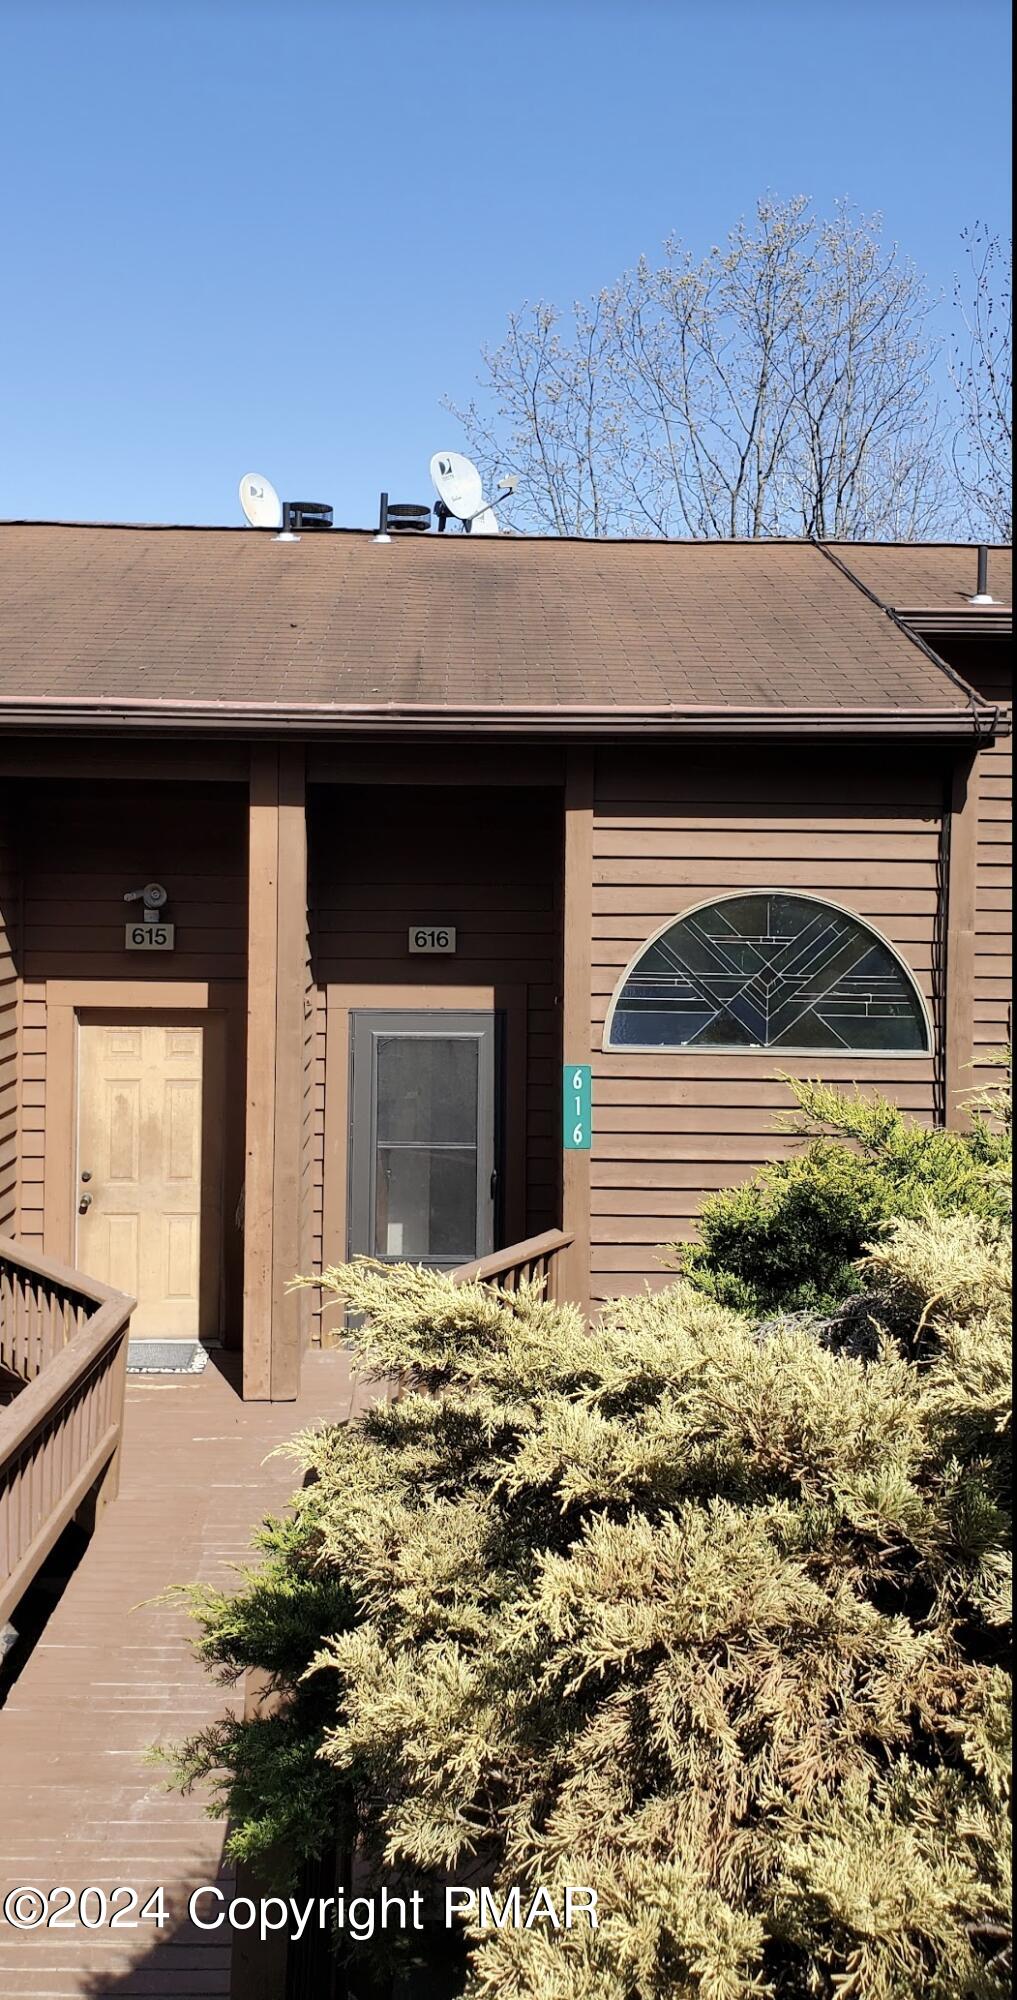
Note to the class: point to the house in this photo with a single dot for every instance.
(447, 841)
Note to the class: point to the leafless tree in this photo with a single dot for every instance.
(781, 384)
(982, 375)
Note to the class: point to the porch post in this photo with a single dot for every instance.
(577, 927)
(961, 922)
(276, 985)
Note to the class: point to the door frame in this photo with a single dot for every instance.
(342, 999)
(420, 1024)
(65, 1001)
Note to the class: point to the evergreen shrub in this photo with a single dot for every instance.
(790, 1238)
(705, 1614)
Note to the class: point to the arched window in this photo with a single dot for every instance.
(769, 971)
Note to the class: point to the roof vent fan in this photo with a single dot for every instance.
(301, 516)
(401, 517)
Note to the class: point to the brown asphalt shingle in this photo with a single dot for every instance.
(933, 575)
(227, 615)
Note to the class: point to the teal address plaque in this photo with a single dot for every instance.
(577, 1107)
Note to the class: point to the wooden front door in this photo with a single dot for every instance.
(149, 1169)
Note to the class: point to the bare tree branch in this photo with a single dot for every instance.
(982, 376)
(781, 384)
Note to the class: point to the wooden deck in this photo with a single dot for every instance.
(113, 1673)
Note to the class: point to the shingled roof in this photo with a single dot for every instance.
(224, 626)
(927, 575)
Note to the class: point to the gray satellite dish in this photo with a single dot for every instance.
(458, 483)
(260, 501)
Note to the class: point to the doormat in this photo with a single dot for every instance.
(166, 1357)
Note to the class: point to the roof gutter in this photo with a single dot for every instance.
(106, 714)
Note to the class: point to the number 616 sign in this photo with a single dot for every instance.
(577, 1121)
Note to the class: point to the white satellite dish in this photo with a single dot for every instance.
(458, 483)
(260, 501)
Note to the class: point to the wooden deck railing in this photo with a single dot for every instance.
(536, 1258)
(64, 1337)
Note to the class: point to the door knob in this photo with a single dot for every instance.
(84, 1204)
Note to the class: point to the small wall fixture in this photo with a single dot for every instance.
(152, 931)
(153, 897)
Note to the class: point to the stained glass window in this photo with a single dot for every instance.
(769, 971)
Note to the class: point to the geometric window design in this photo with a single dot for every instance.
(769, 971)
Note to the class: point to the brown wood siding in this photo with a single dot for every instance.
(993, 782)
(312, 1145)
(672, 831)
(10, 1007)
(994, 901)
(987, 665)
(85, 844)
(488, 862)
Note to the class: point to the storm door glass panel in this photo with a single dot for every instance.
(426, 1146)
(423, 1136)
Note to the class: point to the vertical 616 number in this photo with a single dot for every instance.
(576, 1107)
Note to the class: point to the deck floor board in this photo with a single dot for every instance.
(114, 1672)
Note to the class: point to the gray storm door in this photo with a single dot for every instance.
(422, 1136)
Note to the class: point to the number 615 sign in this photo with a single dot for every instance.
(577, 1107)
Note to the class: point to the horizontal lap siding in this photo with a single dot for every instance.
(9, 1018)
(489, 863)
(986, 664)
(670, 833)
(993, 890)
(85, 844)
(312, 1147)
(32, 1141)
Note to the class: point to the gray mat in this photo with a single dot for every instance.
(166, 1357)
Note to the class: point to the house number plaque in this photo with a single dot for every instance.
(142, 936)
(432, 937)
(577, 1108)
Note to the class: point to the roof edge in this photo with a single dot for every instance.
(507, 536)
(46, 713)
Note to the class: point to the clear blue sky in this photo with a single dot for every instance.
(248, 236)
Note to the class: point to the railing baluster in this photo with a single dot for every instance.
(537, 1257)
(19, 1326)
(65, 1336)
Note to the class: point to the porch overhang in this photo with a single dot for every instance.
(968, 621)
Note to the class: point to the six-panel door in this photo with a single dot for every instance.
(149, 1171)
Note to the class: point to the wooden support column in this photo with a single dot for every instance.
(276, 984)
(577, 926)
(961, 921)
